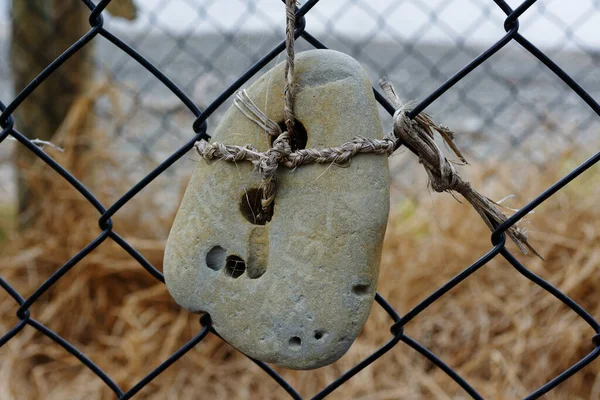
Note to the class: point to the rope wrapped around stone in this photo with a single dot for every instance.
(417, 134)
(266, 163)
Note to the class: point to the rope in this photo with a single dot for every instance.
(417, 134)
(281, 153)
(268, 162)
(289, 89)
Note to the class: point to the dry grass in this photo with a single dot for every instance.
(501, 332)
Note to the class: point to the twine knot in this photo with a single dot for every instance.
(418, 135)
(269, 162)
(271, 159)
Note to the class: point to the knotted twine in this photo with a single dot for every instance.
(417, 134)
(266, 163)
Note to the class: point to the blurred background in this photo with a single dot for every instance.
(518, 125)
(510, 107)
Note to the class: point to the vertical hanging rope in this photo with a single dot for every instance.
(282, 144)
(289, 90)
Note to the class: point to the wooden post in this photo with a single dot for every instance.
(41, 31)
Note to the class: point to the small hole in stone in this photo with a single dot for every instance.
(300, 136)
(295, 343)
(235, 267)
(251, 207)
(215, 258)
(319, 334)
(360, 290)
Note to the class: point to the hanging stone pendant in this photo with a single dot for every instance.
(292, 286)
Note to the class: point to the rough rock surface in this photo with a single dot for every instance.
(297, 290)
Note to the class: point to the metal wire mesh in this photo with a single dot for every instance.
(512, 34)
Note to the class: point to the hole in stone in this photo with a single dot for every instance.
(251, 207)
(215, 258)
(295, 343)
(235, 267)
(300, 136)
(319, 334)
(360, 290)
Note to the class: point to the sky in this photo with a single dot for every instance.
(545, 23)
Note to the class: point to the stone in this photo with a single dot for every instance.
(297, 289)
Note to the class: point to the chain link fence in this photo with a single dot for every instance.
(174, 81)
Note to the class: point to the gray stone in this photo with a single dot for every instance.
(297, 290)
